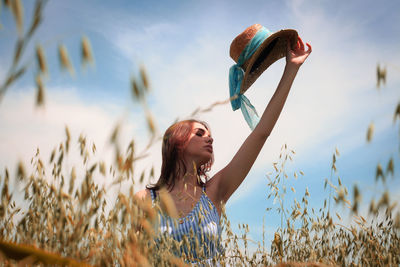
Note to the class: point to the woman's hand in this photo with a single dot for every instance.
(298, 55)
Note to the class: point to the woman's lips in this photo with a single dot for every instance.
(209, 147)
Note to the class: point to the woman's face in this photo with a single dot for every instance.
(199, 148)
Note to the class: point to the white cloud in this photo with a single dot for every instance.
(25, 127)
(133, 43)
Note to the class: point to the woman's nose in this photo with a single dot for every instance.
(210, 140)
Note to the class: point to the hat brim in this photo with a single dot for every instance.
(271, 50)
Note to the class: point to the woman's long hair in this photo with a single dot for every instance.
(175, 140)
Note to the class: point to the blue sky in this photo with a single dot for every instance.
(184, 46)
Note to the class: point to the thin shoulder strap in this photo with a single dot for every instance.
(153, 196)
(204, 188)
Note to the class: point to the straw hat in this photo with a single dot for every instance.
(270, 50)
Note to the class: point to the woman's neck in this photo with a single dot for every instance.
(185, 182)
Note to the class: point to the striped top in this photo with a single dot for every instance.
(198, 234)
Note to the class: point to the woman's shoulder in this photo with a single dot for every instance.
(143, 194)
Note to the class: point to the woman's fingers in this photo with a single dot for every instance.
(299, 48)
(309, 50)
(301, 44)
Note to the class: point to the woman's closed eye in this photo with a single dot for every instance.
(200, 132)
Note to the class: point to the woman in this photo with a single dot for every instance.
(187, 153)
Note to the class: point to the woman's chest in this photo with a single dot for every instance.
(202, 220)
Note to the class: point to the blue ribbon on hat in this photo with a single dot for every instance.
(236, 75)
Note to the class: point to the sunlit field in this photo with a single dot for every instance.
(55, 209)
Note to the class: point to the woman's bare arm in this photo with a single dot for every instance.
(230, 177)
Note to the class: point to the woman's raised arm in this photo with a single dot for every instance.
(229, 178)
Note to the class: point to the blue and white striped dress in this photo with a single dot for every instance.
(198, 233)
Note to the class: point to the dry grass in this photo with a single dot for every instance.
(69, 221)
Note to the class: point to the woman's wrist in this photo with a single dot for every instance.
(292, 66)
(291, 69)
